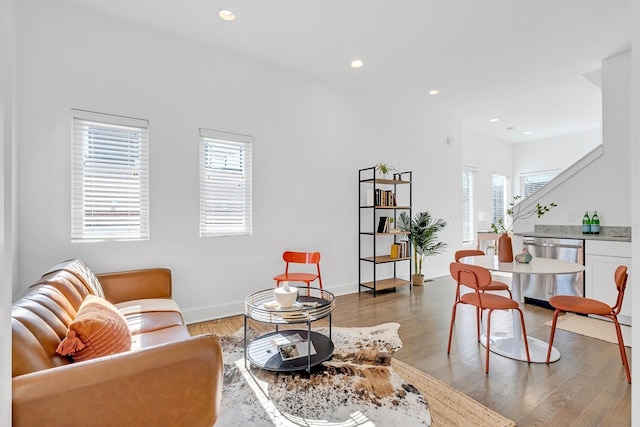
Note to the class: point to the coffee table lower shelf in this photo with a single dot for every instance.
(264, 354)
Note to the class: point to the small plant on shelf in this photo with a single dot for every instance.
(383, 168)
(516, 213)
(423, 236)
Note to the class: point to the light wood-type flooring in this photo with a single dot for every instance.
(586, 387)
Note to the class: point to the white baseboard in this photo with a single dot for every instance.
(235, 308)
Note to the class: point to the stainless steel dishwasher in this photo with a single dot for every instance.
(537, 289)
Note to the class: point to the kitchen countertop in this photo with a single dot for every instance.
(615, 234)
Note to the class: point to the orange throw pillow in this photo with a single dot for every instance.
(98, 330)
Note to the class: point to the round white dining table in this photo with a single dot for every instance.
(513, 346)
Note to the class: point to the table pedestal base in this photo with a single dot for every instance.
(513, 348)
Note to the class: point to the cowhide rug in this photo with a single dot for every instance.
(357, 387)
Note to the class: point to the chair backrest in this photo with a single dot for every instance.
(620, 277)
(291, 257)
(472, 276)
(467, 252)
(301, 257)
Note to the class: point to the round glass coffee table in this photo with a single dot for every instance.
(289, 349)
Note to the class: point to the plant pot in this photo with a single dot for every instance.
(505, 248)
(417, 279)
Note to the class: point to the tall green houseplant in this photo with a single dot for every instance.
(423, 236)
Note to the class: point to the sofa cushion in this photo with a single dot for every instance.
(159, 337)
(40, 321)
(98, 330)
(148, 315)
(80, 270)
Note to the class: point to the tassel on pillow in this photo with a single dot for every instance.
(70, 344)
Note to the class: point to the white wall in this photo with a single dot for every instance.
(7, 209)
(605, 185)
(488, 157)
(552, 153)
(310, 140)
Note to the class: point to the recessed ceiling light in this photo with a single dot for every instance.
(528, 132)
(493, 120)
(227, 15)
(434, 92)
(357, 63)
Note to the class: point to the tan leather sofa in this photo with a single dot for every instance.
(168, 378)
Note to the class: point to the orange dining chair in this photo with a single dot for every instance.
(582, 305)
(494, 285)
(290, 257)
(478, 278)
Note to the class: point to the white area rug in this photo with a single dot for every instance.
(357, 387)
(594, 328)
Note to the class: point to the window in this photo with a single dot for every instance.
(498, 190)
(468, 208)
(225, 184)
(110, 179)
(532, 182)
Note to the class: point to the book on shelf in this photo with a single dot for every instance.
(293, 346)
(385, 198)
(370, 200)
(396, 251)
(383, 222)
(405, 249)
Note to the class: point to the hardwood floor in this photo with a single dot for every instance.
(586, 387)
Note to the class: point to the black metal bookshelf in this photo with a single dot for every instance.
(381, 196)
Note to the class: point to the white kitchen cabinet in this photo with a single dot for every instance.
(601, 260)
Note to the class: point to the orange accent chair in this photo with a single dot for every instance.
(494, 285)
(478, 278)
(290, 257)
(581, 305)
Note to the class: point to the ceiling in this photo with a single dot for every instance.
(521, 61)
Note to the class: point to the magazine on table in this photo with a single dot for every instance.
(293, 346)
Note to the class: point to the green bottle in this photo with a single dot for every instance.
(595, 223)
(586, 223)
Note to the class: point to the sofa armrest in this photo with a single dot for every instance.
(172, 384)
(136, 284)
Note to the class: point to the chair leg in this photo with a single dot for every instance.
(553, 333)
(623, 352)
(478, 317)
(453, 319)
(524, 336)
(488, 343)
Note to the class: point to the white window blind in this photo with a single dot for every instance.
(532, 182)
(225, 184)
(499, 188)
(468, 208)
(110, 180)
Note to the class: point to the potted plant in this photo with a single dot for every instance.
(423, 235)
(383, 168)
(505, 249)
